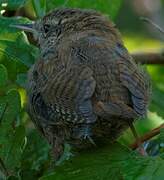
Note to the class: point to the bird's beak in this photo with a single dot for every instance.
(25, 27)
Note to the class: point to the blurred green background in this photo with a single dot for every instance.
(23, 153)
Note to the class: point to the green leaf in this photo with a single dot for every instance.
(15, 51)
(36, 152)
(22, 79)
(13, 105)
(13, 4)
(35, 157)
(112, 162)
(15, 149)
(157, 103)
(3, 75)
(110, 7)
(39, 7)
(11, 137)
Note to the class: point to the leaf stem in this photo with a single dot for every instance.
(147, 136)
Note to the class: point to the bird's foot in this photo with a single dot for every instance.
(84, 132)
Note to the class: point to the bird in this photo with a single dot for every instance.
(84, 87)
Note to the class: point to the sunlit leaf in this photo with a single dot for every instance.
(13, 4)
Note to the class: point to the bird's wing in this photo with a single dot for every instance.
(112, 54)
(135, 79)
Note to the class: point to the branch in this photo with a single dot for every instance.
(152, 23)
(149, 58)
(138, 141)
(147, 136)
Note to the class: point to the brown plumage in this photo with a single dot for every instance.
(85, 86)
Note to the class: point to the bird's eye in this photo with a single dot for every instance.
(46, 28)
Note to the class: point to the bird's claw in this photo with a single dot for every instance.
(87, 137)
(84, 133)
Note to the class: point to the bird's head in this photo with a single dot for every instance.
(61, 22)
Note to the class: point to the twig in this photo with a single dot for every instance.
(149, 58)
(138, 141)
(147, 136)
(152, 23)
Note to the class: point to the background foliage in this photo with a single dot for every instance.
(23, 153)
